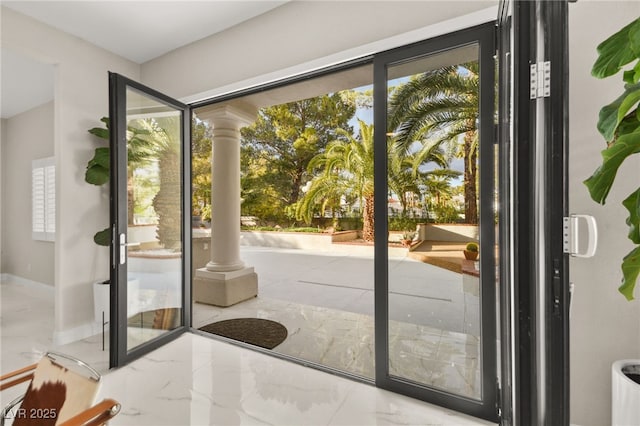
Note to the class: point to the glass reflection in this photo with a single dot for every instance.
(154, 236)
(434, 292)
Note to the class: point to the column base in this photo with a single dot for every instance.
(224, 288)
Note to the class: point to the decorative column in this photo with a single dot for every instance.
(225, 280)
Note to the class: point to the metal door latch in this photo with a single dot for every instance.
(123, 248)
(570, 242)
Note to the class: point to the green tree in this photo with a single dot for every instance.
(200, 165)
(284, 139)
(439, 193)
(347, 166)
(442, 105)
(406, 171)
(259, 184)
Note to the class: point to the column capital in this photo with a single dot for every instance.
(228, 116)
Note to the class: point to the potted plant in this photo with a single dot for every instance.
(407, 238)
(98, 173)
(471, 251)
(619, 124)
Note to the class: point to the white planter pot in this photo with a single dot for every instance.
(101, 301)
(625, 393)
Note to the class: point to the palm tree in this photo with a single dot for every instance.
(347, 169)
(401, 175)
(441, 105)
(406, 171)
(165, 132)
(438, 191)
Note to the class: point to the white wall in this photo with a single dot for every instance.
(296, 33)
(3, 137)
(81, 98)
(604, 326)
(23, 142)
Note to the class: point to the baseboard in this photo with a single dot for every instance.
(4, 277)
(77, 333)
(59, 337)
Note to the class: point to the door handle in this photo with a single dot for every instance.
(123, 248)
(570, 237)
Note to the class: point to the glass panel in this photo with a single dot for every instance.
(302, 218)
(154, 234)
(433, 211)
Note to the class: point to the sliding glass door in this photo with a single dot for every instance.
(435, 155)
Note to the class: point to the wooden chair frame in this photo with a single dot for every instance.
(96, 415)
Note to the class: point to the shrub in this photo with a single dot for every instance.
(472, 247)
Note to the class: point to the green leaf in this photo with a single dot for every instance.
(100, 132)
(628, 103)
(103, 238)
(137, 131)
(600, 182)
(632, 203)
(101, 157)
(632, 76)
(634, 37)
(98, 167)
(611, 115)
(617, 51)
(96, 175)
(629, 125)
(630, 273)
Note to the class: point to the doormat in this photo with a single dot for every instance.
(255, 331)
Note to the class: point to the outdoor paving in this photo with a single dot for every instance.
(326, 301)
(443, 254)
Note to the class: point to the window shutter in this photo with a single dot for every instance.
(50, 202)
(43, 199)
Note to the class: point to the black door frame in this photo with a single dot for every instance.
(118, 354)
(505, 242)
(541, 269)
(484, 36)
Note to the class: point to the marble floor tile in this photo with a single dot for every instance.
(199, 380)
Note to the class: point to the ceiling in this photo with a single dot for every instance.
(136, 30)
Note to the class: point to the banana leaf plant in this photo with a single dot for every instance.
(619, 124)
(140, 148)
